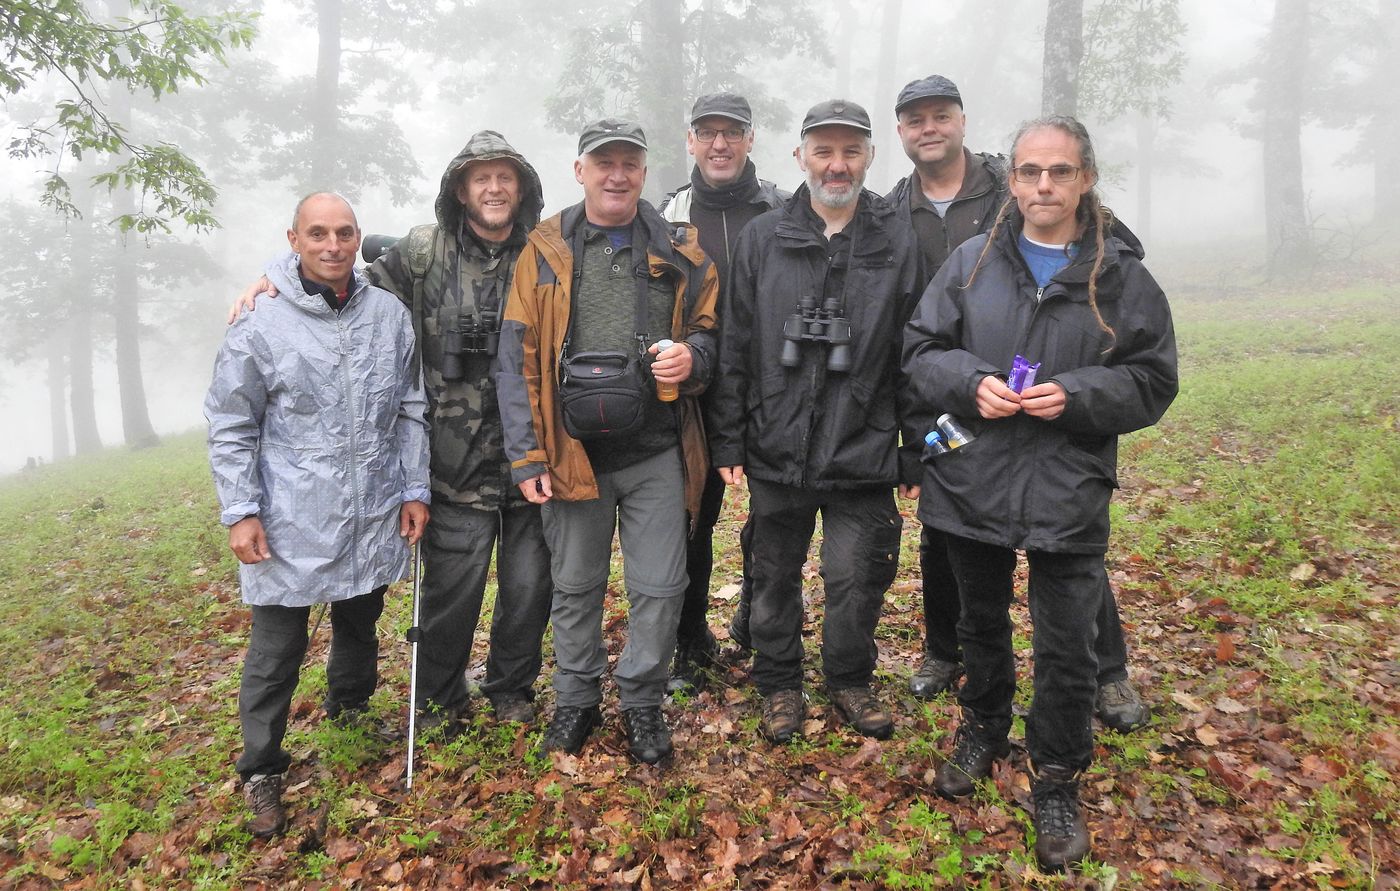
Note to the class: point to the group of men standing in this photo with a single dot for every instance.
(771, 330)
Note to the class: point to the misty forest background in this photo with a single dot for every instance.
(1255, 553)
(1248, 138)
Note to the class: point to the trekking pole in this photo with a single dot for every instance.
(414, 633)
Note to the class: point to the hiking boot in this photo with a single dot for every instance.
(570, 727)
(513, 706)
(858, 707)
(648, 737)
(263, 792)
(692, 662)
(934, 676)
(739, 626)
(1120, 708)
(1061, 836)
(783, 713)
(345, 714)
(972, 760)
(443, 724)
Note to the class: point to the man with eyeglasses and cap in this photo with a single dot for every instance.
(723, 195)
(951, 195)
(609, 278)
(807, 406)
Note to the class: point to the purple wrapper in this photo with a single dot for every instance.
(1022, 374)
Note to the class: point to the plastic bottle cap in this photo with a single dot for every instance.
(663, 345)
(932, 437)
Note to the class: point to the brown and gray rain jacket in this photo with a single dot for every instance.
(537, 321)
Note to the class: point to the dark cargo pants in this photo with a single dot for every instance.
(276, 646)
(456, 556)
(859, 558)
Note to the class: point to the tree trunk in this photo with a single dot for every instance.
(126, 315)
(1064, 49)
(1288, 237)
(81, 400)
(661, 100)
(1386, 127)
(846, 19)
(325, 148)
(885, 87)
(58, 397)
(1146, 159)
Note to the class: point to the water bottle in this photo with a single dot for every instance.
(954, 432)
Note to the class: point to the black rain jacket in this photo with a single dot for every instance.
(1024, 482)
(807, 426)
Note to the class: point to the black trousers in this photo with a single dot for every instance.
(700, 563)
(859, 558)
(1065, 598)
(942, 608)
(272, 667)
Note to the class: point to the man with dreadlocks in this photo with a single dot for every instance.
(1050, 282)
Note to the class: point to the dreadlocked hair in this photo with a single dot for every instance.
(1090, 214)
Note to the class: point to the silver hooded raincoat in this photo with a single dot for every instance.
(316, 425)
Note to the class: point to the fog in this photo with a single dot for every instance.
(506, 66)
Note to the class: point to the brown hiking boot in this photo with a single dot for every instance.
(783, 713)
(858, 707)
(1061, 835)
(263, 792)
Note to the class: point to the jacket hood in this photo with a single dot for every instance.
(488, 145)
(285, 275)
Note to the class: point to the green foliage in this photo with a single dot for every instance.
(1132, 57)
(155, 50)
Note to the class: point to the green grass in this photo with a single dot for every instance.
(1264, 507)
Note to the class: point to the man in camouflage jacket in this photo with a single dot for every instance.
(455, 274)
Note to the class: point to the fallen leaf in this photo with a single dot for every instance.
(1208, 735)
(726, 592)
(1226, 705)
(1224, 647)
(1187, 701)
(1302, 572)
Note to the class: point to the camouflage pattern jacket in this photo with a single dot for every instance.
(442, 272)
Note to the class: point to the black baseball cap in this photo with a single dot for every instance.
(724, 105)
(836, 111)
(935, 86)
(600, 133)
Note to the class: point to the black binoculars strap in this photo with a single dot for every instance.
(641, 274)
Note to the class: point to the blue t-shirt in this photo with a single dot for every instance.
(1045, 260)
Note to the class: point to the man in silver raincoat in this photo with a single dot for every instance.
(320, 456)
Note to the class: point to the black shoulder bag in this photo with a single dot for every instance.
(603, 393)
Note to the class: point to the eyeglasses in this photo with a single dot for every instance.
(1060, 173)
(730, 134)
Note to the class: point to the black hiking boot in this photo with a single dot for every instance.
(972, 759)
(648, 737)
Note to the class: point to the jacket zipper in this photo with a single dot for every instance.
(354, 453)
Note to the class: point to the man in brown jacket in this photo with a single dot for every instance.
(610, 276)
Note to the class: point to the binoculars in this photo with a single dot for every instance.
(374, 246)
(818, 325)
(469, 336)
